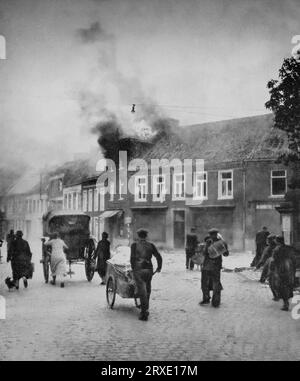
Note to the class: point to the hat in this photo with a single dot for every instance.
(213, 230)
(19, 233)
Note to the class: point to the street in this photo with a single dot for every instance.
(49, 323)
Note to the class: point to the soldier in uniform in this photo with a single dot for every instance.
(211, 269)
(140, 259)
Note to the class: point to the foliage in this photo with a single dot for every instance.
(285, 104)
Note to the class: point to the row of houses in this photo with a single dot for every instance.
(237, 190)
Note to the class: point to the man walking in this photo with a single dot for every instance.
(102, 254)
(9, 240)
(266, 258)
(261, 243)
(190, 248)
(140, 259)
(211, 269)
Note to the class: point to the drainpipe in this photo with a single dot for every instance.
(244, 205)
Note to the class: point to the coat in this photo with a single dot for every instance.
(20, 256)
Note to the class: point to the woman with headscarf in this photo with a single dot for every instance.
(282, 272)
(57, 259)
(20, 256)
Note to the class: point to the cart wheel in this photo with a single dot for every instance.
(110, 292)
(46, 266)
(89, 269)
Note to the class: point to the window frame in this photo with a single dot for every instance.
(136, 188)
(220, 196)
(277, 177)
(162, 185)
(174, 182)
(202, 196)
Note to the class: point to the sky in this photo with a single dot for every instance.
(73, 63)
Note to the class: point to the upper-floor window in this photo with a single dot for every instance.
(90, 200)
(225, 186)
(96, 200)
(200, 185)
(159, 187)
(75, 204)
(140, 188)
(70, 201)
(84, 200)
(178, 186)
(278, 183)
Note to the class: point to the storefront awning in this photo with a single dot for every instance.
(110, 213)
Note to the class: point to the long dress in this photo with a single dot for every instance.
(58, 263)
(103, 254)
(20, 256)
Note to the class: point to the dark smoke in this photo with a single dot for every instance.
(94, 33)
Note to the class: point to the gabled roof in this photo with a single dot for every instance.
(29, 183)
(233, 140)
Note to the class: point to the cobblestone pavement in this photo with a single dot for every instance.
(49, 323)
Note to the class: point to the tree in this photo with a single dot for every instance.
(285, 104)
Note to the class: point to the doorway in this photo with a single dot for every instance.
(179, 229)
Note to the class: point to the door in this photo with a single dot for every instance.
(179, 228)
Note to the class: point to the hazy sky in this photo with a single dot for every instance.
(69, 60)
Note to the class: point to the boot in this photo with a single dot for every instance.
(62, 285)
(25, 282)
(144, 315)
(53, 281)
(285, 307)
(204, 301)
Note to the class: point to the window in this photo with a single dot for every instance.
(225, 184)
(90, 209)
(70, 201)
(84, 200)
(178, 186)
(278, 183)
(74, 207)
(140, 188)
(159, 188)
(200, 185)
(96, 200)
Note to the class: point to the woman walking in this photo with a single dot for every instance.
(57, 259)
(20, 256)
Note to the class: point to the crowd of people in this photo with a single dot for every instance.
(278, 264)
(277, 261)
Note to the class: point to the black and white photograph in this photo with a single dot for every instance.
(149, 183)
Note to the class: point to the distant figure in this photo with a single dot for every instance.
(261, 243)
(211, 269)
(102, 254)
(140, 259)
(190, 248)
(266, 258)
(282, 272)
(1, 243)
(20, 256)
(9, 239)
(57, 259)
